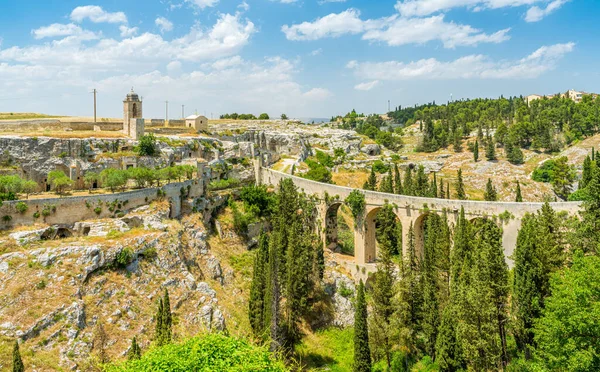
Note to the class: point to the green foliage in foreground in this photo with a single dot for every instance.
(213, 352)
(330, 349)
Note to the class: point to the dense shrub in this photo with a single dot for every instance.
(21, 207)
(124, 257)
(545, 172)
(317, 172)
(223, 184)
(380, 167)
(258, 200)
(147, 146)
(213, 352)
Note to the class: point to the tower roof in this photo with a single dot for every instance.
(132, 96)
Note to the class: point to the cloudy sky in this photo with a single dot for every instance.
(302, 57)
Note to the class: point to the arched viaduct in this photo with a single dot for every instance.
(409, 210)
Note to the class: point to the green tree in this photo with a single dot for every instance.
(59, 181)
(147, 146)
(421, 186)
(164, 321)
(568, 332)
(257, 308)
(371, 183)
(263, 116)
(408, 182)
(490, 193)
(476, 151)
(563, 177)
(398, 189)
(383, 286)
(490, 149)
(284, 117)
(387, 183)
(28, 187)
(362, 352)
(586, 174)
(518, 197)
(141, 175)
(17, 362)
(90, 178)
(587, 235)
(134, 352)
(113, 178)
(460, 187)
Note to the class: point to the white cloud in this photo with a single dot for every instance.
(56, 29)
(128, 31)
(367, 85)
(244, 6)
(227, 36)
(174, 67)
(225, 63)
(203, 3)
(469, 67)
(97, 15)
(422, 30)
(420, 8)
(535, 13)
(316, 52)
(393, 30)
(163, 24)
(332, 25)
(317, 94)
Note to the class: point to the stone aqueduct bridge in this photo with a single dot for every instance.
(409, 210)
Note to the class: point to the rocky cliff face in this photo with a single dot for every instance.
(55, 287)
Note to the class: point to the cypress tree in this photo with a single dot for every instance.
(490, 149)
(371, 183)
(433, 187)
(448, 190)
(408, 182)
(167, 319)
(586, 174)
(528, 277)
(460, 187)
(587, 236)
(17, 361)
(256, 305)
(134, 351)
(397, 181)
(490, 193)
(447, 350)
(387, 183)
(518, 197)
(362, 352)
(100, 342)
(421, 183)
(159, 326)
(383, 285)
(476, 151)
(429, 284)
(593, 154)
(442, 191)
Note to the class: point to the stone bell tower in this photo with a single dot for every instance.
(133, 122)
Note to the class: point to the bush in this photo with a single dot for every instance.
(357, 203)
(579, 195)
(324, 159)
(147, 146)
(124, 257)
(21, 207)
(258, 200)
(223, 184)
(213, 352)
(317, 172)
(380, 167)
(98, 210)
(36, 215)
(545, 172)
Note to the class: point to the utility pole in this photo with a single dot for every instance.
(183, 111)
(94, 91)
(388, 105)
(166, 111)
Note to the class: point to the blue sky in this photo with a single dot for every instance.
(305, 58)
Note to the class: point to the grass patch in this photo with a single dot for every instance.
(327, 350)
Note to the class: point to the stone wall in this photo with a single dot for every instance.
(55, 125)
(77, 208)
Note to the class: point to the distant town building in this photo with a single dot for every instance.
(574, 95)
(133, 122)
(198, 122)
